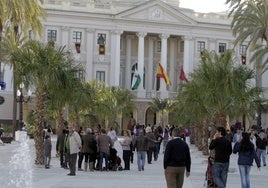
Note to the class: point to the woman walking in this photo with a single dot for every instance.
(125, 143)
(246, 154)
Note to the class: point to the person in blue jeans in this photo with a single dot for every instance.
(261, 144)
(223, 150)
(104, 143)
(140, 143)
(246, 154)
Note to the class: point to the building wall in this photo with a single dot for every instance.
(133, 31)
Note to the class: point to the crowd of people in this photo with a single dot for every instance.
(250, 145)
(94, 148)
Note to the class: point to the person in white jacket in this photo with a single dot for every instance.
(73, 145)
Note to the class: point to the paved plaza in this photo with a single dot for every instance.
(152, 177)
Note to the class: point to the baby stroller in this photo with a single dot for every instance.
(209, 181)
(120, 168)
(113, 160)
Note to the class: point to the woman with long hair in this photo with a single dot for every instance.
(246, 153)
(126, 146)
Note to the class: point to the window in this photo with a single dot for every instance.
(100, 75)
(101, 42)
(222, 47)
(181, 46)
(201, 45)
(101, 38)
(80, 74)
(52, 35)
(158, 46)
(77, 36)
(243, 49)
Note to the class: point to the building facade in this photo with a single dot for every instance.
(113, 38)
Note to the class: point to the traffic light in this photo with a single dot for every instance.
(243, 59)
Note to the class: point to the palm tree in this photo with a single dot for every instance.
(46, 68)
(123, 104)
(80, 104)
(218, 89)
(249, 25)
(20, 16)
(59, 97)
(161, 105)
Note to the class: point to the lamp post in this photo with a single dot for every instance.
(21, 99)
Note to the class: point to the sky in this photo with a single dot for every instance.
(204, 5)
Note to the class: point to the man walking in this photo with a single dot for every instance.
(73, 145)
(261, 144)
(104, 143)
(140, 143)
(176, 159)
(223, 150)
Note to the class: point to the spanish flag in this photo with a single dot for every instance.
(161, 73)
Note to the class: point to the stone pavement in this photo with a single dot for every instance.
(152, 177)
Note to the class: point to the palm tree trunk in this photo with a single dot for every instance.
(199, 136)
(221, 120)
(38, 134)
(14, 115)
(59, 122)
(192, 135)
(76, 122)
(205, 139)
(14, 120)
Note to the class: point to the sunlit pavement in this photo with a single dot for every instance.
(153, 176)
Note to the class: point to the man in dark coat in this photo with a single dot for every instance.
(176, 159)
(89, 149)
(223, 150)
(60, 148)
(140, 143)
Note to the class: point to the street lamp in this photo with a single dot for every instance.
(22, 99)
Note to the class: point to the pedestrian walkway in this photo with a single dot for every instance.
(152, 177)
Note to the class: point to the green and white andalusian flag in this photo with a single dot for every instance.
(136, 80)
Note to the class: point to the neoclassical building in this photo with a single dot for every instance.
(112, 38)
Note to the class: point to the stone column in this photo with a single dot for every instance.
(212, 45)
(163, 88)
(141, 35)
(65, 31)
(172, 70)
(115, 58)
(128, 62)
(188, 54)
(150, 76)
(90, 54)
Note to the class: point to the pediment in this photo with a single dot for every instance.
(155, 11)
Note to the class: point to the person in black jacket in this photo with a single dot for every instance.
(246, 154)
(261, 144)
(60, 148)
(140, 143)
(223, 150)
(177, 158)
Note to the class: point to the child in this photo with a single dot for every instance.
(47, 151)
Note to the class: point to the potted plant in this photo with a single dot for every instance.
(30, 130)
(7, 136)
